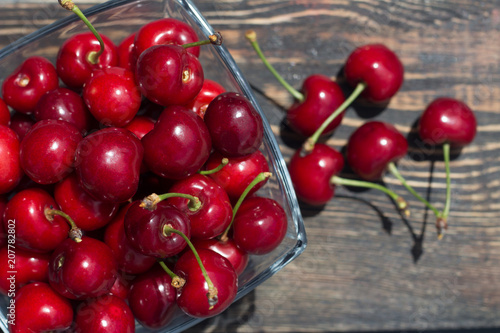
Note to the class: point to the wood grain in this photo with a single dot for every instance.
(366, 268)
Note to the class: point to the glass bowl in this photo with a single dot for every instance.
(118, 19)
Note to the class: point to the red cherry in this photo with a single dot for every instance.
(34, 232)
(64, 104)
(235, 126)
(165, 31)
(112, 96)
(228, 249)
(192, 297)
(10, 164)
(209, 91)
(140, 126)
(82, 270)
(372, 146)
(105, 314)
(117, 155)
(376, 66)
(121, 287)
(178, 145)
(73, 64)
(169, 74)
(152, 298)
(47, 152)
(21, 123)
(126, 53)
(87, 212)
(4, 113)
(38, 308)
(447, 120)
(22, 89)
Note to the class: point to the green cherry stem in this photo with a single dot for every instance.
(151, 201)
(259, 178)
(212, 291)
(251, 36)
(400, 201)
(177, 281)
(93, 57)
(222, 164)
(308, 145)
(442, 219)
(75, 233)
(215, 39)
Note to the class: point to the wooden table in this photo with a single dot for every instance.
(366, 268)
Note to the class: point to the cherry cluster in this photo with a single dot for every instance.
(374, 74)
(92, 141)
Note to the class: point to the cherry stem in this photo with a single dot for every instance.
(259, 178)
(177, 281)
(400, 201)
(394, 170)
(222, 164)
(441, 222)
(251, 36)
(215, 39)
(151, 201)
(92, 57)
(311, 141)
(212, 291)
(75, 233)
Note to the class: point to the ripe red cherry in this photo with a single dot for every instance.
(209, 91)
(228, 249)
(105, 314)
(372, 146)
(73, 63)
(112, 96)
(121, 287)
(38, 308)
(117, 155)
(447, 120)
(64, 104)
(152, 298)
(192, 297)
(82, 270)
(21, 123)
(140, 126)
(126, 53)
(22, 89)
(165, 31)
(87, 212)
(178, 145)
(169, 74)
(235, 126)
(4, 113)
(10, 164)
(34, 232)
(47, 152)
(215, 213)
(378, 67)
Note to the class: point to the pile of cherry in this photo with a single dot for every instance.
(127, 185)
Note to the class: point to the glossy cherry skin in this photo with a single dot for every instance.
(121, 287)
(378, 67)
(10, 165)
(21, 123)
(39, 308)
(140, 125)
(322, 97)
(28, 267)
(372, 146)
(144, 230)
(215, 213)
(4, 113)
(64, 104)
(311, 173)
(3, 234)
(87, 212)
(235, 176)
(47, 152)
(112, 96)
(178, 145)
(105, 314)
(165, 31)
(192, 297)
(169, 74)
(126, 53)
(235, 126)
(34, 232)
(259, 225)
(228, 249)
(116, 154)
(209, 91)
(82, 270)
(447, 120)
(22, 89)
(128, 259)
(72, 63)
(152, 298)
